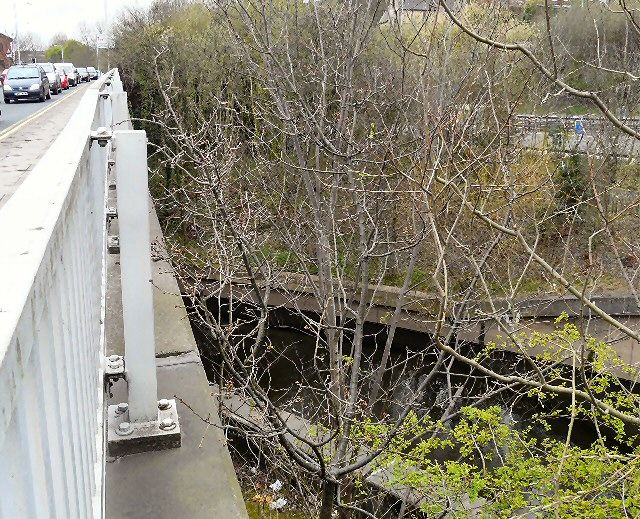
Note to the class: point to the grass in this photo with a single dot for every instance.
(257, 511)
(419, 280)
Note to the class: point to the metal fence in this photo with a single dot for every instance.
(567, 123)
(52, 282)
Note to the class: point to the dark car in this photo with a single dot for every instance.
(26, 82)
(83, 74)
(93, 73)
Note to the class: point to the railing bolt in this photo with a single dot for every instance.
(102, 135)
(167, 424)
(114, 358)
(124, 429)
(164, 404)
(122, 408)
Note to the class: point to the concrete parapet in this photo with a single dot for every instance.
(476, 324)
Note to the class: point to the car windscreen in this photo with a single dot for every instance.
(23, 73)
(82, 69)
(91, 69)
(47, 67)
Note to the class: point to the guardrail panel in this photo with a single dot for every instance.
(51, 329)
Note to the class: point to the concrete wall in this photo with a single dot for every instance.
(537, 315)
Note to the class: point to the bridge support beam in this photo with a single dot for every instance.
(143, 423)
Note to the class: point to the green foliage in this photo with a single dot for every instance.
(571, 182)
(505, 471)
(260, 511)
(531, 8)
(75, 52)
(53, 53)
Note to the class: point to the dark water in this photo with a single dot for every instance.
(293, 371)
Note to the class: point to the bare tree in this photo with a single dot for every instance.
(349, 173)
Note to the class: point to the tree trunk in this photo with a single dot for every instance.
(329, 490)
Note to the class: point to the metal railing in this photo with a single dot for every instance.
(52, 311)
(567, 123)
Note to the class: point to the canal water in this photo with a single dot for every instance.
(293, 370)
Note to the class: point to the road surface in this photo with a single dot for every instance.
(16, 112)
(27, 129)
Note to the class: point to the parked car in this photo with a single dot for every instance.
(26, 82)
(93, 73)
(54, 78)
(64, 79)
(72, 74)
(83, 74)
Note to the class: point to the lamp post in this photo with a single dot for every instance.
(16, 50)
(16, 40)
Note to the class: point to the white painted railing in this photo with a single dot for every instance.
(52, 271)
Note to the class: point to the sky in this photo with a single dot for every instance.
(46, 18)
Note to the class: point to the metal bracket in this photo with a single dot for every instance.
(112, 213)
(124, 437)
(102, 135)
(113, 371)
(114, 367)
(113, 244)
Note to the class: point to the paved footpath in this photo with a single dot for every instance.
(23, 144)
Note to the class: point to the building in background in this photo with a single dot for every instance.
(5, 50)
(400, 10)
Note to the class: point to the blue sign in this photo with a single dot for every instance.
(579, 128)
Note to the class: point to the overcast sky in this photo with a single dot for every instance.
(46, 18)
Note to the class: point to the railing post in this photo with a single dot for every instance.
(135, 268)
(120, 111)
(142, 423)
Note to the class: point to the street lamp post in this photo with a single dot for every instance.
(16, 51)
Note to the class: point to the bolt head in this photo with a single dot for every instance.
(164, 404)
(123, 407)
(114, 358)
(167, 423)
(124, 429)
